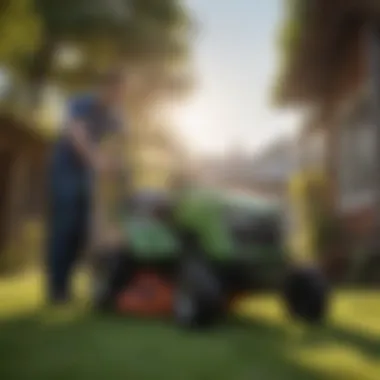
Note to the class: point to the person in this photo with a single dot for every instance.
(74, 162)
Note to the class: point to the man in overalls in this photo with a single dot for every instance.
(74, 162)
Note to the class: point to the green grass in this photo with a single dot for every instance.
(38, 344)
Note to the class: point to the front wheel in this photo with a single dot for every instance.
(186, 309)
(112, 272)
(198, 301)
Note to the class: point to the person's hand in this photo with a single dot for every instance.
(102, 163)
(114, 237)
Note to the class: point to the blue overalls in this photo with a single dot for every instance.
(70, 185)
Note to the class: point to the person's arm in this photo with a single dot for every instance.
(80, 140)
(77, 131)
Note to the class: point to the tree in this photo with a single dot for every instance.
(20, 29)
(101, 31)
(296, 15)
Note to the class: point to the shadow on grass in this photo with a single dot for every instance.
(366, 344)
(320, 335)
(35, 347)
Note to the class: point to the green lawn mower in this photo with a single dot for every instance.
(189, 255)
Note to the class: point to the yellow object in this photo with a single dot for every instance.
(301, 239)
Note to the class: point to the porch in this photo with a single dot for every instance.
(332, 71)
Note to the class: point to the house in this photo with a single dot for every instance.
(23, 154)
(332, 70)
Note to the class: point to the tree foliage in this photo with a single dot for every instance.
(289, 36)
(104, 32)
(20, 29)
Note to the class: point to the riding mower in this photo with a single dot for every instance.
(190, 253)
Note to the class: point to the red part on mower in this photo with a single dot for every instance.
(147, 295)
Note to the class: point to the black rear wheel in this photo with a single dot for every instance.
(306, 294)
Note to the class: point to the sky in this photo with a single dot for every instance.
(236, 60)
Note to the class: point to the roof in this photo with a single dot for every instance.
(325, 33)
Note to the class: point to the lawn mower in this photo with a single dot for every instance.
(190, 253)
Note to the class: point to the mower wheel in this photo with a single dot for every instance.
(199, 297)
(112, 272)
(185, 309)
(306, 294)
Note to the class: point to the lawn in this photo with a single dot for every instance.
(38, 344)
